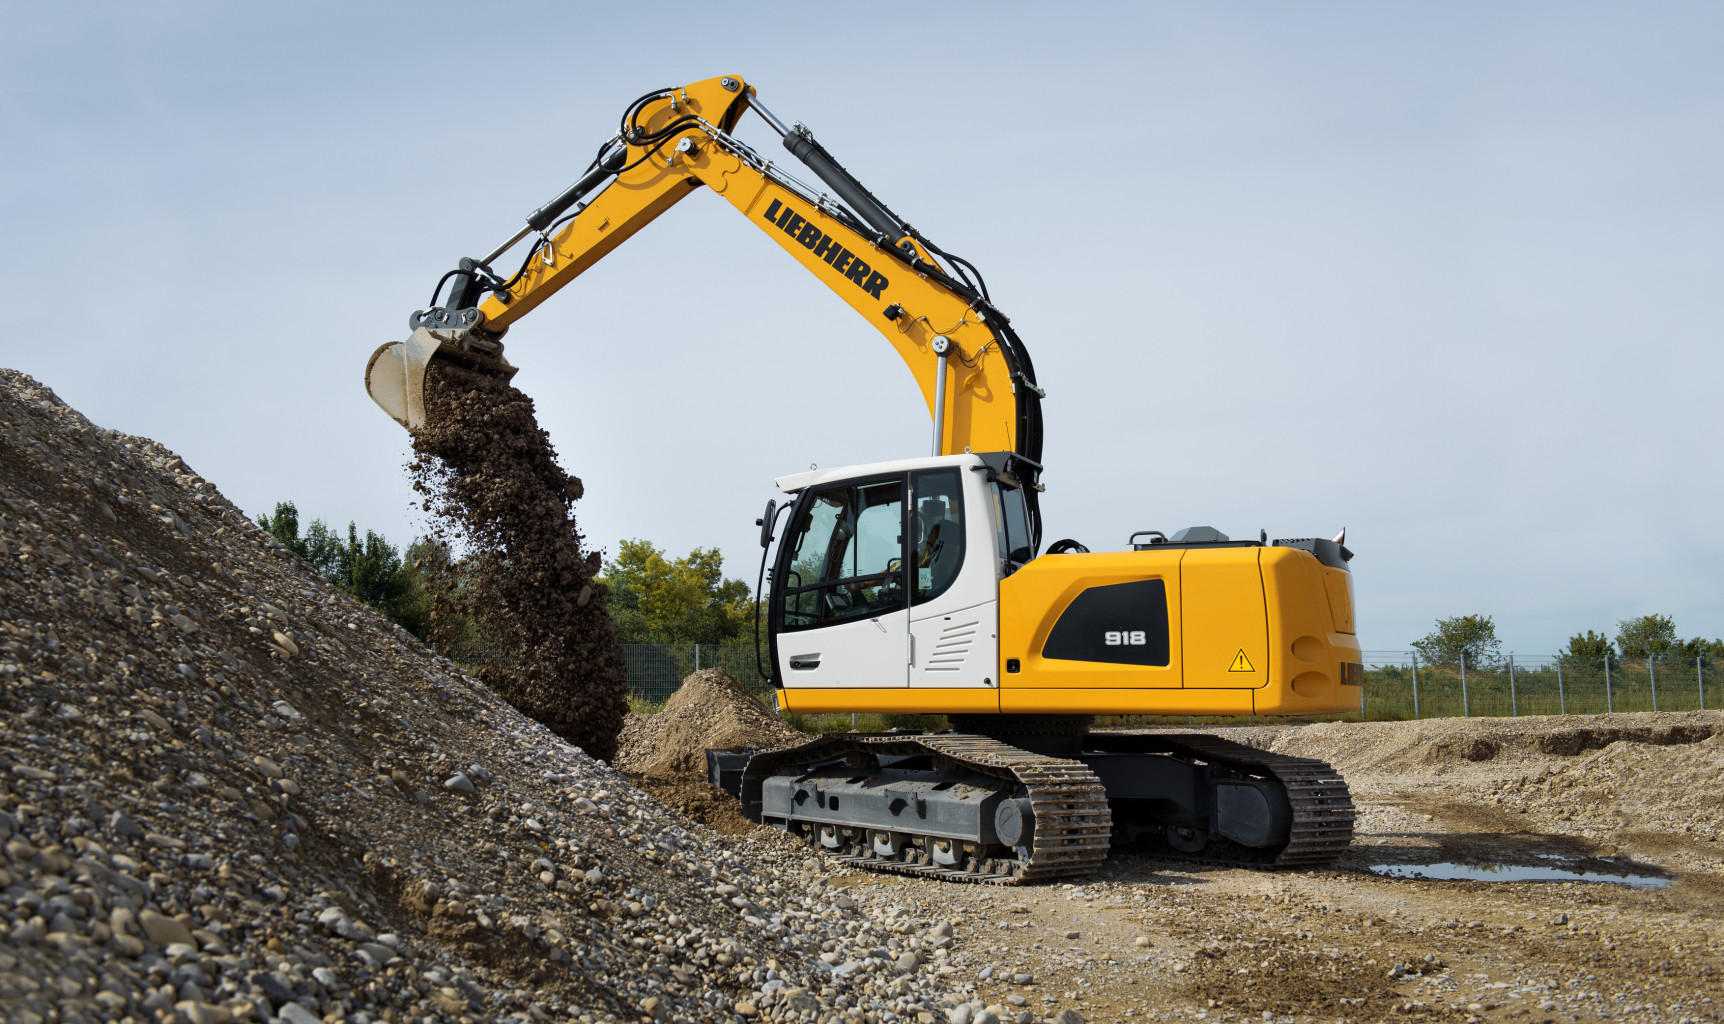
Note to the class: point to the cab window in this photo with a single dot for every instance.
(847, 558)
(1011, 527)
(937, 535)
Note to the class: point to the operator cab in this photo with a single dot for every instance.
(887, 575)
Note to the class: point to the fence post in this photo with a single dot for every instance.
(1513, 701)
(1561, 698)
(1466, 705)
(1699, 677)
(1609, 702)
(1416, 686)
(697, 657)
(1652, 675)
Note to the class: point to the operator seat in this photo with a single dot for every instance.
(942, 548)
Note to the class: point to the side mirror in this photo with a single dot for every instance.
(765, 522)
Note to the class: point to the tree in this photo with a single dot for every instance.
(284, 526)
(654, 599)
(1646, 635)
(1688, 650)
(370, 570)
(1474, 636)
(1588, 647)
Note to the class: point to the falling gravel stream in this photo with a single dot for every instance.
(490, 477)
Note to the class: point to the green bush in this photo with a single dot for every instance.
(369, 570)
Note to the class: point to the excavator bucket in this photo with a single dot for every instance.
(395, 376)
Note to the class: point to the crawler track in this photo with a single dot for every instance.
(1323, 813)
(1072, 820)
(1074, 824)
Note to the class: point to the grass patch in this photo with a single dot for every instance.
(821, 724)
(646, 705)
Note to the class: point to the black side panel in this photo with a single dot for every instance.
(1331, 554)
(1122, 624)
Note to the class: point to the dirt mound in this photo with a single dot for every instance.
(1466, 748)
(1442, 743)
(666, 752)
(491, 477)
(1567, 742)
(1653, 785)
(1644, 783)
(711, 711)
(228, 791)
(701, 801)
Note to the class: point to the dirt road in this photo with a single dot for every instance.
(1150, 940)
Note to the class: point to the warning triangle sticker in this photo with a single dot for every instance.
(1241, 663)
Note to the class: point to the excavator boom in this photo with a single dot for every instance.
(973, 373)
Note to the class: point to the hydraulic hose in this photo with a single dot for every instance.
(609, 164)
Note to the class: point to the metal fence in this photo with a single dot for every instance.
(1398, 684)
(656, 670)
(1401, 684)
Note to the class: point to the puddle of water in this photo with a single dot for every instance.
(1447, 871)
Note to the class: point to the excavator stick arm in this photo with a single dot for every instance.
(972, 372)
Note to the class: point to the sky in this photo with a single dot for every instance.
(1446, 275)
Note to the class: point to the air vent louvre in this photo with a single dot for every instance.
(953, 648)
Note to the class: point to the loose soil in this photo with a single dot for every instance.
(666, 752)
(490, 477)
(710, 711)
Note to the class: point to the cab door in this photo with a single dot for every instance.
(841, 611)
(954, 581)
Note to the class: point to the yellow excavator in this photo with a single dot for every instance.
(921, 585)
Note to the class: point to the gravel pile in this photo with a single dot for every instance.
(229, 792)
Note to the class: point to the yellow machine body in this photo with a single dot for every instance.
(1251, 631)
